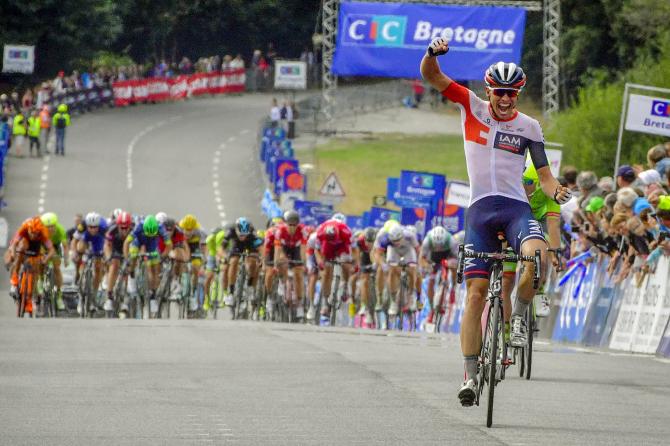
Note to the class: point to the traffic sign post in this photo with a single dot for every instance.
(332, 191)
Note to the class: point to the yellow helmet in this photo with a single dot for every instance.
(189, 223)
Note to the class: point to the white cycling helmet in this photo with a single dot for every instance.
(438, 235)
(116, 212)
(339, 217)
(92, 219)
(161, 217)
(396, 233)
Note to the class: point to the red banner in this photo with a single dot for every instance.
(161, 89)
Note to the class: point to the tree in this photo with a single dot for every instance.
(61, 30)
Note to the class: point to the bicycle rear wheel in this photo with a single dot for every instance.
(336, 301)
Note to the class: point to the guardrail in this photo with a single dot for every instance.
(349, 102)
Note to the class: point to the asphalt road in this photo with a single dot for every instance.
(75, 382)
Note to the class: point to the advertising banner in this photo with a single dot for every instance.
(644, 312)
(422, 185)
(389, 39)
(290, 75)
(379, 216)
(355, 222)
(312, 212)
(648, 114)
(18, 59)
(160, 89)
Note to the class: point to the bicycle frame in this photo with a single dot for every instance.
(493, 348)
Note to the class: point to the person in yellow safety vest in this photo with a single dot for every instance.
(18, 133)
(60, 121)
(34, 128)
(45, 124)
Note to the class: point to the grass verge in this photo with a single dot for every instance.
(362, 165)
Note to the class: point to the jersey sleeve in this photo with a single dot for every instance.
(536, 146)
(457, 93)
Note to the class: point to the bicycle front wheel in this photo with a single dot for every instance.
(496, 330)
(528, 349)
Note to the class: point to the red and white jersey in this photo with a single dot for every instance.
(284, 238)
(495, 151)
(342, 242)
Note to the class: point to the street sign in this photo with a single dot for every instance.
(379, 200)
(332, 187)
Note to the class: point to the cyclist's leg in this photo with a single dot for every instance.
(232, 272)
(525, 236)
(326, 282)
(481, 236)
(509, 274)
(97, 273)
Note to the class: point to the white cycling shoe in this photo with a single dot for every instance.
(109, 305)
(467, 394)
(542, 305)
(311, 313)
(393, 309)
(518, 336)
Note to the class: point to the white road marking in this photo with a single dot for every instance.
(231, 139)
(244, 131)
(216, 158)
(44, 178)
(131, 148)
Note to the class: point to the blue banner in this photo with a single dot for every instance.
(389, 39)
(355, 222)
(293, 181)
(279, 168)
(422, 185)
(379, 216)
(312, 212)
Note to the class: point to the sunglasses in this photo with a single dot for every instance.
(292, 226)
(500, 92)
(528, 182)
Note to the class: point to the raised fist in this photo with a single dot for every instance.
(438, 47)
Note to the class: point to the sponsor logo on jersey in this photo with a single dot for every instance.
(511, 143)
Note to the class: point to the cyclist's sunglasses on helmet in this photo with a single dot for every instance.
(528, 182)
(500, 92)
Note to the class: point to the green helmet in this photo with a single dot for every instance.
(62, 108)
(150, 226)
(49, 219)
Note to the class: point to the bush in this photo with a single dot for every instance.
(589, 128)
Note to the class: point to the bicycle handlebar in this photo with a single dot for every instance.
(464, 254)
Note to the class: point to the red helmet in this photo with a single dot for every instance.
(124, 219)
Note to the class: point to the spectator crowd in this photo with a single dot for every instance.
(626, 218)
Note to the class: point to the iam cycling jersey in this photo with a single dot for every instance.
(95, 241)
(495, 151)
(337, 248)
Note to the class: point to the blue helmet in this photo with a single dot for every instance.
(242, 226)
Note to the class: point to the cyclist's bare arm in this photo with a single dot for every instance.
(550, 185)
(554, 231)
(430, 68)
